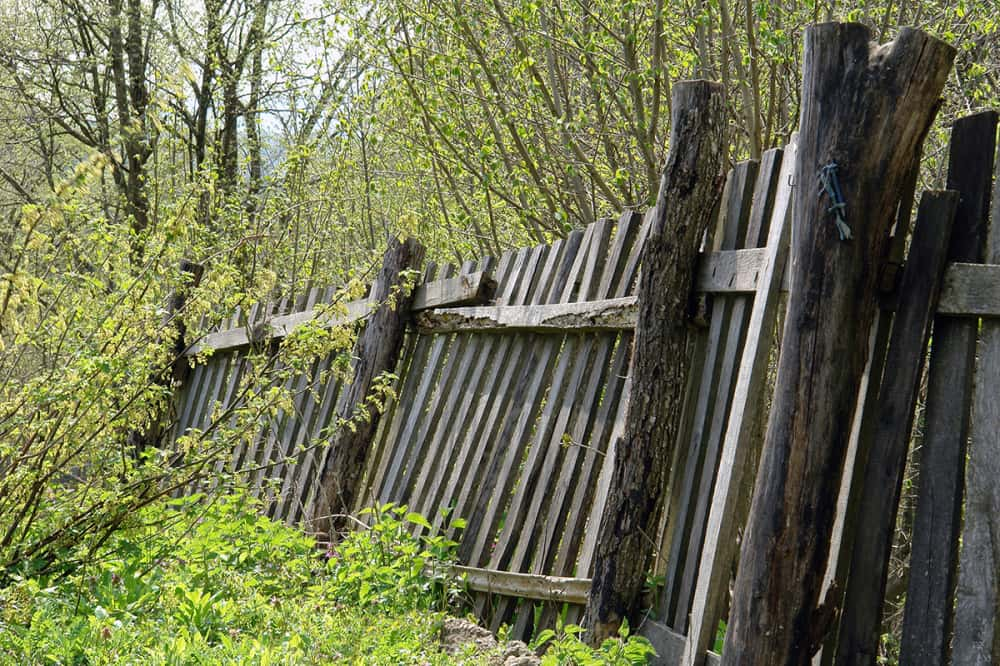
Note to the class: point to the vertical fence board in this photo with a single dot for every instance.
(544, 482)
(712, 387)
(720, 544)
(882, 472)
(977, 636)
(928, 615)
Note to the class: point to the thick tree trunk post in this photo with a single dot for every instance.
(375, 352)
(177, 371)
(688, 197)
(865, 108)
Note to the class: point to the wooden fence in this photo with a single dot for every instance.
(513, 384)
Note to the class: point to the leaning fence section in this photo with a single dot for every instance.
(280, 450)
(507, 409)
(512, 388)
(505, 413)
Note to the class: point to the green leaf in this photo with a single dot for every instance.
(417, 519)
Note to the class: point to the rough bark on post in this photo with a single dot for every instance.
(688, 197)
(865, 111)
(174, 374)
(375, 352)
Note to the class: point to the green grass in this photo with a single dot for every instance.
(219, 584)
(216, 583)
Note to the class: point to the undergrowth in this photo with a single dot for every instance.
(214, 582)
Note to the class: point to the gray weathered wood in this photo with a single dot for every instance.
(688, 190)
(426, 455)
(882, 472)
(590, 443)
(449, 429)
(669, 645)
(543, 370)
(720, 543)
(413, 361)
(462, 488)
(393, 483)
(971, 290)
(739, 313)
(463, 289)
(851, 115)
(477, 357)
(735, 271)
(539, 379)
(523, 585)
(591, 438)
(927, 620)
(731, 234)
(865, 417)
(544, 481)
(603, 315)
(977, 635)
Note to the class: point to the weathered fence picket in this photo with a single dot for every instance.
(930, 596)
(977, 639)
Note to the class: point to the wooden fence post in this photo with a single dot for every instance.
(375, 352)
(176, 372)
(930, 596)
(689, 191)
(865, 112)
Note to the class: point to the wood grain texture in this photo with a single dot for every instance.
(603, 315)
(736, 345)
(928, 616)
(732, 476)
(689, 187)
(376, 351)
(669, 645)
(462, 290)
(852, 114)
(537, 512)
(882, 472)
(467, 288)
(971, 290)
(710, 387)
(977, 636)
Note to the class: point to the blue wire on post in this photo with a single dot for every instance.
(829, 183)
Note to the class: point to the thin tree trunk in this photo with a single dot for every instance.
(375, 352)
(174, 374)
(689, 192)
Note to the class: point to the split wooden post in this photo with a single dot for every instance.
(689, 192)
(176, 371)
(977, 634)
(375, 352)
(862, 136)
(927, 620)
(883, 471)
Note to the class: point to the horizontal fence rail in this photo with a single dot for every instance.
(968, 290)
